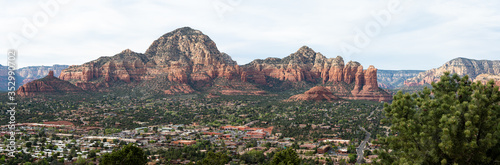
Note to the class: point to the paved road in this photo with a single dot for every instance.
(251, 123)
(370, 115)
(361, 148)
(84, 122)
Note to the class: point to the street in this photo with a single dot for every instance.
(361, 147)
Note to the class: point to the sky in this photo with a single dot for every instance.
(389, 34)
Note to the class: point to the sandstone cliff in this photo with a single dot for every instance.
(317, 93)
(187, 61)
(47, 85)
(31, 73)
(348, 81)
(461, 66)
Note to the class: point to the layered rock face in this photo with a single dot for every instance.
(125, 66)
(189, 61)
(30, 73)
(310, 66)
(183, 56)
(47, 85)
(460, 66)
(318, 93)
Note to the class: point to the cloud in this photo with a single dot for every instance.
(424, 35)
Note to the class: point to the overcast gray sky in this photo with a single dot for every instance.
(401, 34)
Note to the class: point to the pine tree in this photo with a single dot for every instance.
(457, 122)
(211, 158)
(285, 157)
(128, 155)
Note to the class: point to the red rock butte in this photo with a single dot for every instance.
(460, 66)
(318, 93)
(47, 85)
(187, 61)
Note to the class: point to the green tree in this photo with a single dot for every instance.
(252, 143)
(457, 122)
(81, 161)
(267, 145)
(218, 158)
(128, 155)
(253, 157)
(352, 158)
(285, 157)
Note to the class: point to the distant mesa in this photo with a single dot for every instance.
(188, 61)
(318, 93)
(485, 78)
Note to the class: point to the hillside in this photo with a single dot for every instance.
(48, 85)
(460, 66)
(391, 79)
(188, 61)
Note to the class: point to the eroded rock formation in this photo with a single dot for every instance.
(317, 93)
(190, 61)
(310, 66)
(184, 56)
(485, 78)
(47, 85)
